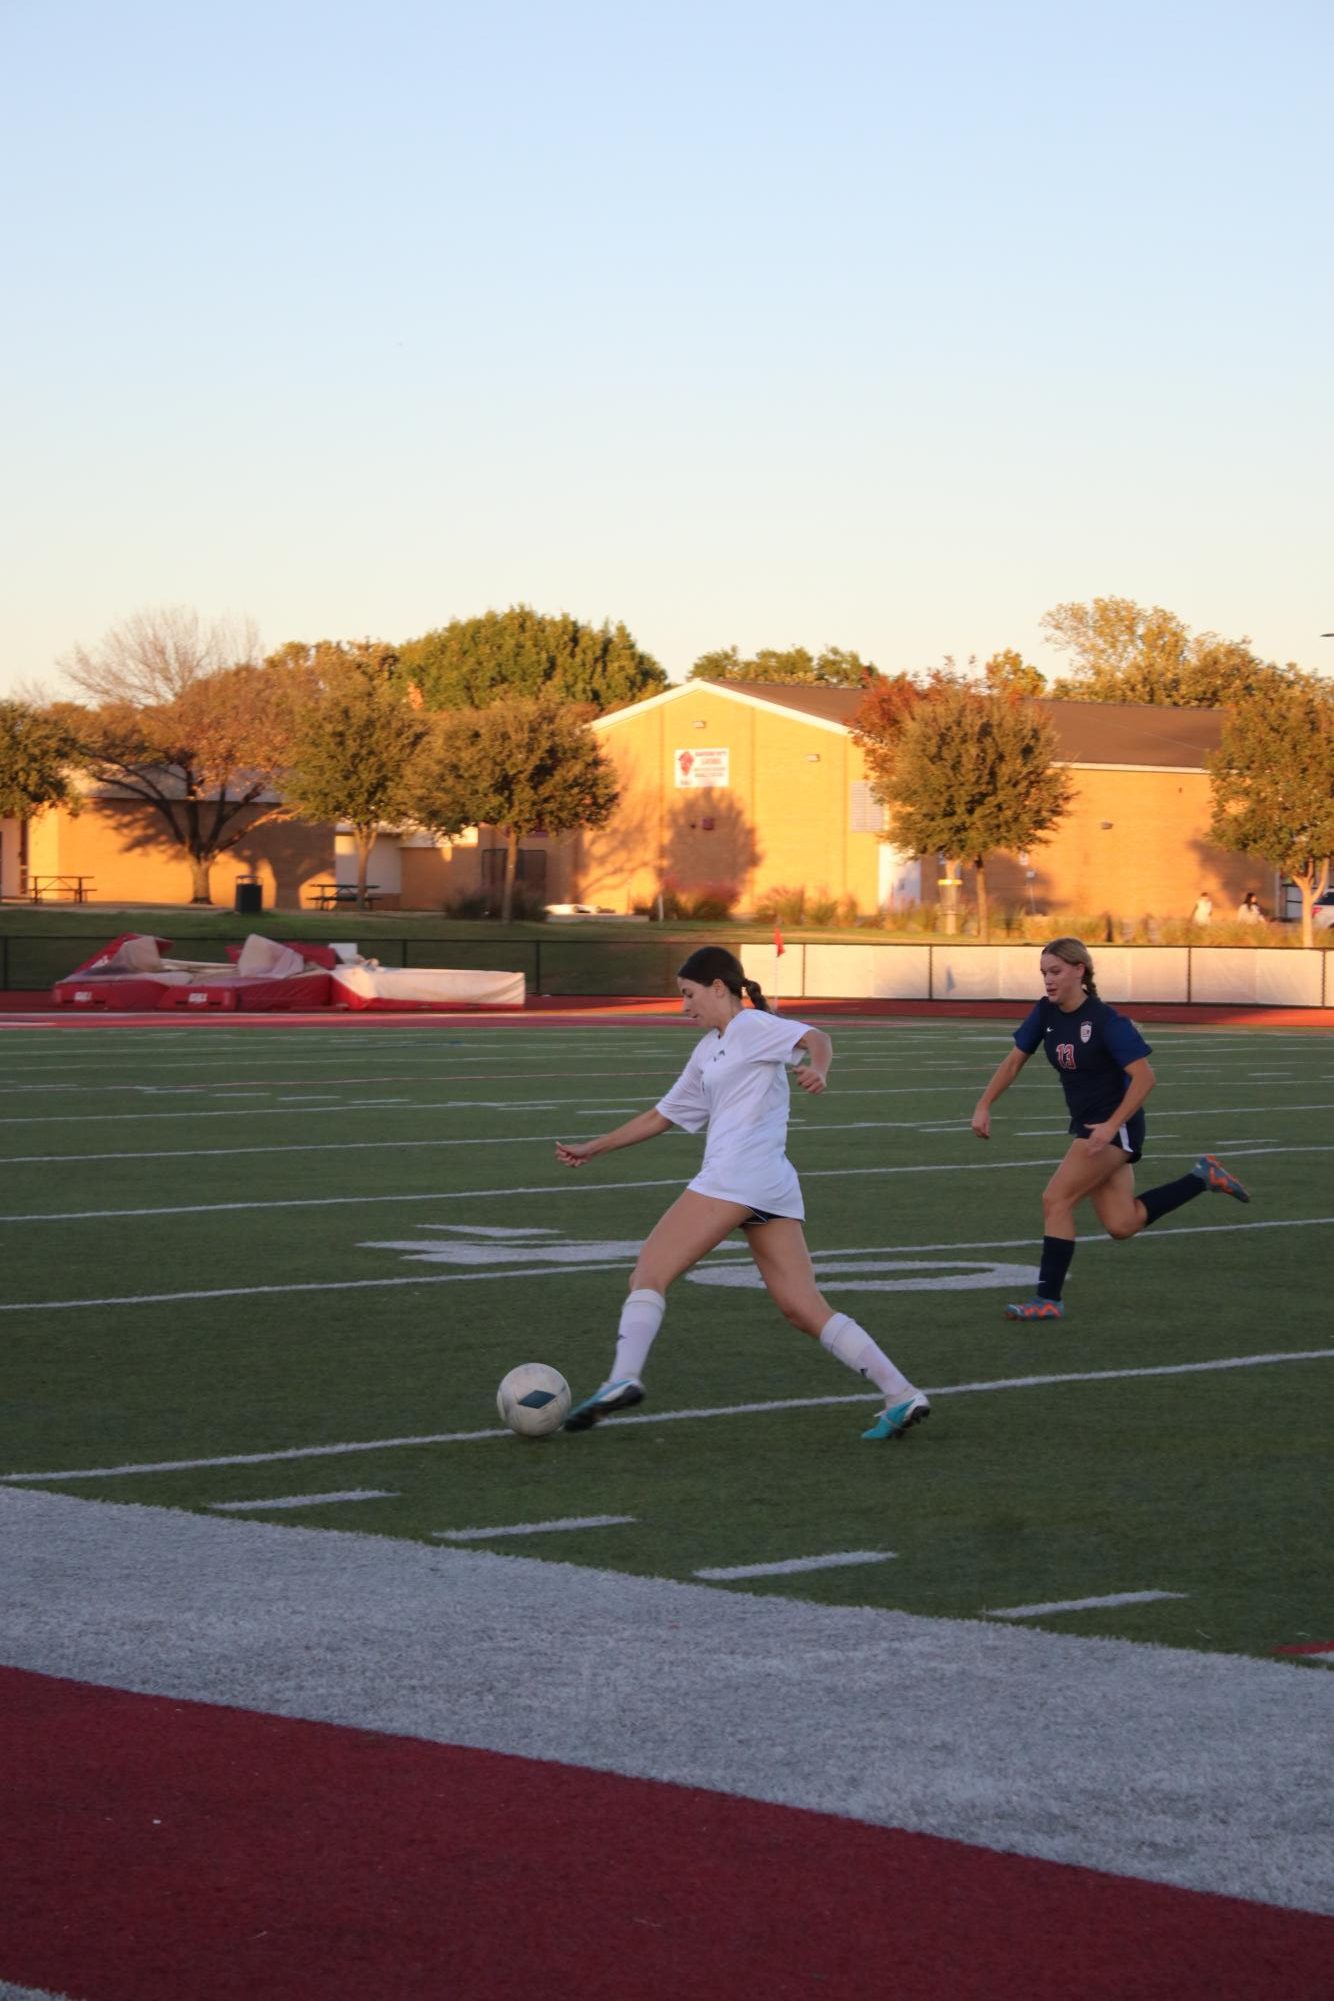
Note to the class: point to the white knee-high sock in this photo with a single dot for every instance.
(641, 1317)
(850, 1344)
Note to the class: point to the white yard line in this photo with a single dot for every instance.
(1079, 1604)
(794, 1564)
(671, 1417)
(533, 1528)
(566, 1264)
(304, 1500)
(621, 1263)
(550, 1139)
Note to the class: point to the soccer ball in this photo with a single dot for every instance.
(534, 1400)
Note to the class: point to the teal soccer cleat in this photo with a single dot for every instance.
(1036, 1309)
(611, 1397)
(900, 1417)
(1216, 1177)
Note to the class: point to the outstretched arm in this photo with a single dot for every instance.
(647, 1126)
(814, 1075)
(1005, 1075)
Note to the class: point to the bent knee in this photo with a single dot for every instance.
(1122, 1227)
(806, 1316)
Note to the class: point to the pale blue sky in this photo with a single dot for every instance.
(877, 326)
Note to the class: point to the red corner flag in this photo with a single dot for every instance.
(779, 946)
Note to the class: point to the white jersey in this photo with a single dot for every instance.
(736, 1084)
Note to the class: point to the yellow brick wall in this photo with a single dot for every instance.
(123, 846)
(1136, 844)
(782, 820)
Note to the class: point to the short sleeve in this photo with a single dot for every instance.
(760, 1037)
(685, 1104)
(1028, 1035)
(1123, 1040)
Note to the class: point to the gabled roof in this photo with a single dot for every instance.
(819, 706)
(1138, 734)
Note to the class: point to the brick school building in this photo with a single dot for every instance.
(739, 790)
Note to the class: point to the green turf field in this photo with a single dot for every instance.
(227, 1249)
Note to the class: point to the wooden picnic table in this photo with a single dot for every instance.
(328, 895)
(59, 888)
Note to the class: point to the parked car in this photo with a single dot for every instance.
(1322, 915)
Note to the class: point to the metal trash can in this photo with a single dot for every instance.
(249, 895)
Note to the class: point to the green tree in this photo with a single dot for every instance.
(1273, 783)
(183, 719)
(973, 774)
(524, 766)
(37, 749)
(834, 668)
(473, 662)
(356, 734)
(1119, 652)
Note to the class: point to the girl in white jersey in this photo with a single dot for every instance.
(735, 1084)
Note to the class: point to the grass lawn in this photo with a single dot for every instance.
(265, 1267)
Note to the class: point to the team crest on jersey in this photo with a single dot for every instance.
(1085, 1030)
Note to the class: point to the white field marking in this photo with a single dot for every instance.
(328, 1101)
(795, 1564)
(836, 1270)
(597, 1257)
(312, 1285)
(620, 1255)
(550, 1139)
(597, 1254)
(304, 1500)
(533, 1528)
(1079, 1604)
(667, 1417)
(601, 1187)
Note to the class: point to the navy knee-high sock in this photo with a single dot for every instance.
(1170, 1195)
(1056, 1255)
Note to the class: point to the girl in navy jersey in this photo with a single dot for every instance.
(735, 1084)
(1102, 1061)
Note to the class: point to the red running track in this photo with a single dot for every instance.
(155, 1850)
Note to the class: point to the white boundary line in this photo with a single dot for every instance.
(672, 1417)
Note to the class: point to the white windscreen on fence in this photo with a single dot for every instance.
(954, 971)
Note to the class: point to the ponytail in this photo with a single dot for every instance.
(715, 962)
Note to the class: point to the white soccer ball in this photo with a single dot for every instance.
(533, 1400)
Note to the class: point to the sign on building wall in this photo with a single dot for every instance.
(696, 768)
